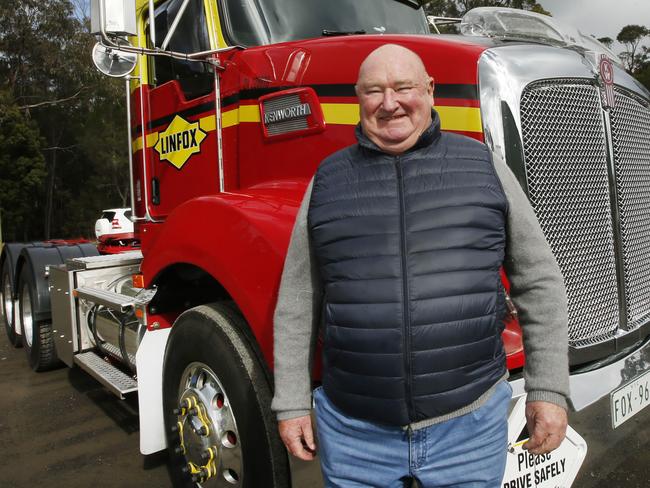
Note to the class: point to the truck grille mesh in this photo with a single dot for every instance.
(565, 158)
(630, 120)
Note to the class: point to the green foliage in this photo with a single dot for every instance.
(631, 37)
(22, 171)
(47, 74)
(607, 41)
(642, 71)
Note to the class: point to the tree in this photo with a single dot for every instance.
(642, 72)
(46, 73)
(607, 41)
(22, 171)
(631, 36)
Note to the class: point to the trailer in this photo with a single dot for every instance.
(231, 107)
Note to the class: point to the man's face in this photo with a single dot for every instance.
(395, 97)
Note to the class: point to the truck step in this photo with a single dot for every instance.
(109, 299)
(108, 375)
(104, 261)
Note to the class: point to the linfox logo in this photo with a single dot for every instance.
(179, 141)
(287, 113)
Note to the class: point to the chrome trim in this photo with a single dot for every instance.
(127, 80)
(505, 72)
(145, 180)
(172, 29)
(217, 101)
(601, 379)
(619, 259)
(589, 387)
(152, 25)
(26, 316)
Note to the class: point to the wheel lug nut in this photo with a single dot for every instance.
(176, 411)
(174, 428)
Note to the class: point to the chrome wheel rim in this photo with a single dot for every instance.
(7, 302)
(208, 434)
(26, 318)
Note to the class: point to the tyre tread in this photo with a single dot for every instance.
(236, 336)
(47, 358)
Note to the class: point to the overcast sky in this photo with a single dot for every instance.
(602, 18)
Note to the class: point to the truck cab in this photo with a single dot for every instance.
(231, 107)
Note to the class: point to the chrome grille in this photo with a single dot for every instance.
(630, 121)
(565, 158)
(284, 126)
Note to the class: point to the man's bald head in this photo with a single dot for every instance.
(395, 97)
(390, 54)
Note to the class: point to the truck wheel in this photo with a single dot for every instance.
(8, 312)
(37, 337)
(217, 398)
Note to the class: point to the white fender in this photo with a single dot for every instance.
(149, 364)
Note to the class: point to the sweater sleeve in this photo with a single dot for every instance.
(539, 294)
(295, 322)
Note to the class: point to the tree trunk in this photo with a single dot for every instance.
(49, 196)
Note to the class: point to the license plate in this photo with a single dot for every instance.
(630, 399)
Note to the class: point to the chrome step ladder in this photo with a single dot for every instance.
(116, 381)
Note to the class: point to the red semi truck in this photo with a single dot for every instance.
(231, 107)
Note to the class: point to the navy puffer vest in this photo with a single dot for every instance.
(409, 248)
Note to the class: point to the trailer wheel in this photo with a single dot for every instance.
(38, 339)
(8, 304)
(217, 398)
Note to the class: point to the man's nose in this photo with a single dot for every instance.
(389, 102)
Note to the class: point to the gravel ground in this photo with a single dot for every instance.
(63, 429)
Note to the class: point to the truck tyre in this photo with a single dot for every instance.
(8, 304)
(217, 398)
(38, 339)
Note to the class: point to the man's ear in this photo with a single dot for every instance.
(431, 86)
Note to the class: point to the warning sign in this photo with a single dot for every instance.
(557, 469)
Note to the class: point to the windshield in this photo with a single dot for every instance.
(257, 22)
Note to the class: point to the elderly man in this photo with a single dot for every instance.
(396, 252)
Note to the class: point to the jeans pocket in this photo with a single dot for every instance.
(500, 397)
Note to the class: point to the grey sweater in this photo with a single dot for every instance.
(537, 290)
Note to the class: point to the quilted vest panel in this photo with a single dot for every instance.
(409, 249)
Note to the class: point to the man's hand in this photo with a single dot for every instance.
(298, 435)
(546, 425)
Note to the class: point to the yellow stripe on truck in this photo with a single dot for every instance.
(467, 119)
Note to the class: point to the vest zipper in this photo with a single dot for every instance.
(406, 337)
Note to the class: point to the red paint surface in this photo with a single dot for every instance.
(240, 237)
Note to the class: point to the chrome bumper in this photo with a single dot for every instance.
(589, 386)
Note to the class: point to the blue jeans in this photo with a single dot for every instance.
(467, 451)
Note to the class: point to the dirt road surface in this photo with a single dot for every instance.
(63, 429)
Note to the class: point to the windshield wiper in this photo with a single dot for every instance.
(327, 32)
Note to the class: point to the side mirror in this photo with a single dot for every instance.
(113, 62)
(113, 17)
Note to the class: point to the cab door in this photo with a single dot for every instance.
(182, 142)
